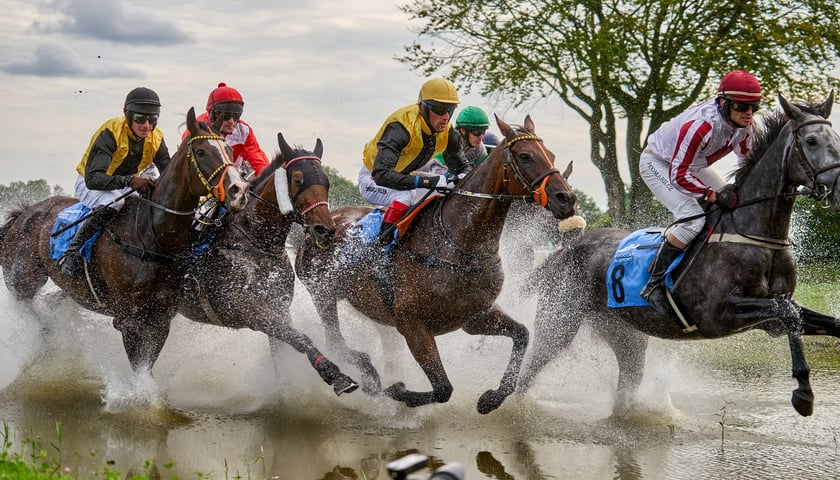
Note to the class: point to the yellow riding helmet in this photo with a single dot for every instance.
(439, 90)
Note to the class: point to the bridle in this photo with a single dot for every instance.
(819, 191)
(535, 188)
(300, 214)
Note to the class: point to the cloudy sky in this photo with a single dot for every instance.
(320, 68)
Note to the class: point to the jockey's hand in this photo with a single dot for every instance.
(457, 179)
(442, 184)
(141, 184)
(726, 199)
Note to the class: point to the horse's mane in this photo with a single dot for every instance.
(272, 167)
(768, 127)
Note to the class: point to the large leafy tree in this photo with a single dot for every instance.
(642, 62)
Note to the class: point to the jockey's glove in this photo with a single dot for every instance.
(726, 199)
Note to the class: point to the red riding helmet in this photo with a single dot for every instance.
(225, 99)
(740, 86)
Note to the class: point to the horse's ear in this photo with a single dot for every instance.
(192, 125)
(792, 111)
(285, 149)
(529, 124)
(506, 130)
(568, 171)
(319, 148)
(825, 107)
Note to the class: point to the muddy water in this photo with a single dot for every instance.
(220, 406)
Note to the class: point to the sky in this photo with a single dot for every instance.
(317, 69)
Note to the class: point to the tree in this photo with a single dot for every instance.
(643, 61)
(343, 192)
(26, 193)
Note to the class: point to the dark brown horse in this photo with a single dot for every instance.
(446, 271)
(136, 272)
(244, 279)
(743, 276)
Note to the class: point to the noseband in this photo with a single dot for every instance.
(218, 190)
(536, 187)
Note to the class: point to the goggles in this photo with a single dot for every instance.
(475, 131)
(439, 109)
(744, 107)
(141, 118)
(227, 115)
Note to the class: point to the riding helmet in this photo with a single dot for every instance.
(438, 91)
(225, 99)
(142, 100)
(740, 86)
(472, 117)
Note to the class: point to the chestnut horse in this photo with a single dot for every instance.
(244, 279)
(446, 270)
(741, 272)
(136, 269)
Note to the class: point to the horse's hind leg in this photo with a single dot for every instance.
(554, 329)
(143, 338)
(327, 370)
(496, 322)
(424, 349)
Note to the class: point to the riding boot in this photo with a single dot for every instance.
(664, 257)
(71, 263)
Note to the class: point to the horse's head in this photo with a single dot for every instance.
(817, 149)
(308, 190)
(212, 170)
(533, 167)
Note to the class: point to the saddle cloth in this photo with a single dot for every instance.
(60, 242)
(628, 271)
(361, 236)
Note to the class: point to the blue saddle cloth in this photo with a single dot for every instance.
(627, 273)
(60, 242)
(360, 238)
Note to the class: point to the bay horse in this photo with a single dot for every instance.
(244, 279)
(135, 275)
(446, 269)
(743, 274)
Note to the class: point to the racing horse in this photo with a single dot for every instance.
(446, 269)
(740, 273)
(243, 277)
(135, 275)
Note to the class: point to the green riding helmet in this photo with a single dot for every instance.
(472, 117)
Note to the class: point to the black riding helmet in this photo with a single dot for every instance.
(142, 100)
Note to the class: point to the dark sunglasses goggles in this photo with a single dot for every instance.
(141, 118)
(744, 106)
(440, 110)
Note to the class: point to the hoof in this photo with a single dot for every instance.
(489, 401)
(803, 402)
(395, 391)
(344, 384)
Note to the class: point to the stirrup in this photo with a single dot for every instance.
(658, 300)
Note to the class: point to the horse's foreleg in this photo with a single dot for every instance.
(327, 370)
(750, 312)
(554, 329)
(143, 339)
(496, 322)
(815, 323)
(326, 305)
(424, 349)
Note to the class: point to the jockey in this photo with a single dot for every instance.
(397, 162)
(472, 124)
(490, 141)
(675, 164)
(225, 105)
(126, 153)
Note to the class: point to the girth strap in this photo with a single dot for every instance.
(142, 253)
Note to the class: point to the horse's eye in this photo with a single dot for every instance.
(811, 141)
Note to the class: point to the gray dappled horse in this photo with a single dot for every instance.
(744, 280)
(137, 263)
(446, 269)
(244, 279)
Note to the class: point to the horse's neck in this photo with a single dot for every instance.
(766, 185)
(264, 224)
(479, 221)
(172, 191)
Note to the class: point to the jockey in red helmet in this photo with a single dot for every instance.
(224, 108)
(675, 164)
